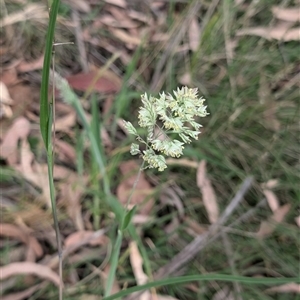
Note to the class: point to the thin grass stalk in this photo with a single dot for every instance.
(46, 121)
(113, 264)
(95, 127)
(50, 164)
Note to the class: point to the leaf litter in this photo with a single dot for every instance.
(9, 146)
(13, 231)
(208, 194)
(127, 30)
(282, 31)
(29, 268)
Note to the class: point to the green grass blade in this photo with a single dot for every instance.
(206, 277)
(44, 105)
(95, 127)
(128, 217)
(50, 163)
(113, 263)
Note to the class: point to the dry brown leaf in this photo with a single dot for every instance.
(89, 239)
(270, 184)
(280, 33)
(267, 227)
(286, 14)
(285, 288)
(25, 66)
(120, 18)
(129, 170)
(272, 199)
(194, 34)
(139, 16)
(33, 172)
(136, 262)
(65, 151)
(208, 194)
(4, 94)
(185, 79)
(9, 77)
(9, 146)
(85, 237)
(110, 21)
(66, 122)
(182, 162)
(34, 247)
(108, 82)
(120, 3)
(30, 12)
(123, 36)
(141, 278)
(5, 111)
(24, 95)
(141, 219)
(24, 268)
(13, 231)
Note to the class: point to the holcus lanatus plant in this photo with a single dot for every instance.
(164, 118)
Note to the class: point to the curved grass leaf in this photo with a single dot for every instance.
(212, 277)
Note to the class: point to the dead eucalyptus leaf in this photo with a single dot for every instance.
(194, 34)
(285, 288)
(208, 194)
(9, 146)
(272, 199)
(280, 33)
(4, 95)
(24, 268)
(286, 14)
(136, 262)
(84, 237)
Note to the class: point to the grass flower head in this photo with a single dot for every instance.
(164, 116)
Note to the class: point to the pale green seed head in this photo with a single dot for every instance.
(171, 114)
